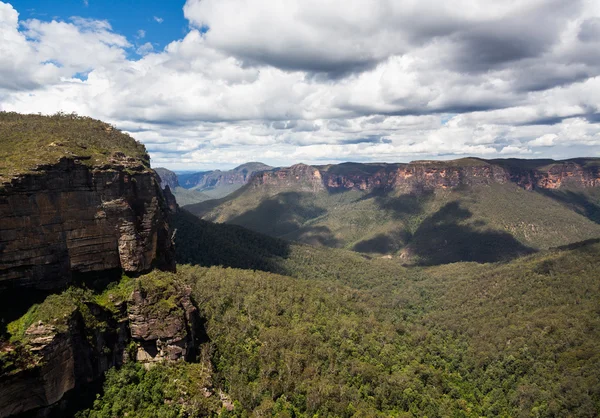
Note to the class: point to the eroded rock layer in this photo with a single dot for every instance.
(431, 175)
(70, 218)
(158, 322)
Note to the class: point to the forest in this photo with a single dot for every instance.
(343, 335)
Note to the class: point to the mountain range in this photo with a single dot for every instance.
(196, 187)
(427, 212)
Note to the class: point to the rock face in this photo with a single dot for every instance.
(157, 323)
(70, 218)
(167, 178)
(163, 326)
(302, 176)
(64, 361)
(430, 175)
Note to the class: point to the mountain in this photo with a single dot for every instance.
(182, 195)
(217, 178)
(427, 212)
(167, 178)
(190, 188)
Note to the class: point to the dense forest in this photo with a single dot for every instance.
(343, 335)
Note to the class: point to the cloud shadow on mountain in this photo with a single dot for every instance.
(444, 238)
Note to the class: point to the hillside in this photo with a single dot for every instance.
(346, 336)
(427, 212)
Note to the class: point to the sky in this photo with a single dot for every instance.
(210, 84)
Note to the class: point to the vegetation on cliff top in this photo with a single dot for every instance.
(28, 141)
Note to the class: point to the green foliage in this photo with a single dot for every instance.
(56, 310)
(32, 140)
(514, 339)
(164, 391)
(161, 291)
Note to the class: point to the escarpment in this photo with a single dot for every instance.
(73, 338)
(421, 176)
(76, 214)
(79, 203)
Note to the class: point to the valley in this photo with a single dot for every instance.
(466, 288)
(423, 212)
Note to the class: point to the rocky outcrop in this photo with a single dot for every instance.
(299, 176)
(70, 218)
(163, 324)
(421, 176)
(62, 361)
(158, 322)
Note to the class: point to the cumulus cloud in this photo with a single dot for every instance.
(318, 82)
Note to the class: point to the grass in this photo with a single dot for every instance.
(28, 141)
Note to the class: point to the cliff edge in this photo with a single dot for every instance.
(77, 196)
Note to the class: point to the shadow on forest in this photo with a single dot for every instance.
(577, 201)
(318, 235)
(204, 243)
(411, 203)
(441, 239)
(278, 215)
(384, 243)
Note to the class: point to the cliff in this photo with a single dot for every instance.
(76, 197)
(431, 175)
(73, 338)
(167, 178)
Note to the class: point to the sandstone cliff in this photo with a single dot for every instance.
(64, 216)
(77, 345)
(430, 175)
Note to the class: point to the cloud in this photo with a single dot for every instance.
(141, 34)
(323, 82)
(144, 49)
(158, 19)
(546, 140)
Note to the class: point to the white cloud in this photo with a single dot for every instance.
(141, 34)
(349, 80)
(546, 140)
(158, 19)
(144, 49)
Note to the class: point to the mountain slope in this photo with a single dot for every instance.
(342, 335)
(427, 212)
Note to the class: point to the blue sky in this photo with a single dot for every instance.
(314, 81)
(161, 21)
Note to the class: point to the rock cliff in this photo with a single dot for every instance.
(70, 215)
(56, 355)
(430, 175)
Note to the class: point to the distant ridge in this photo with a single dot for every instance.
(426, 212)
(190, 188)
